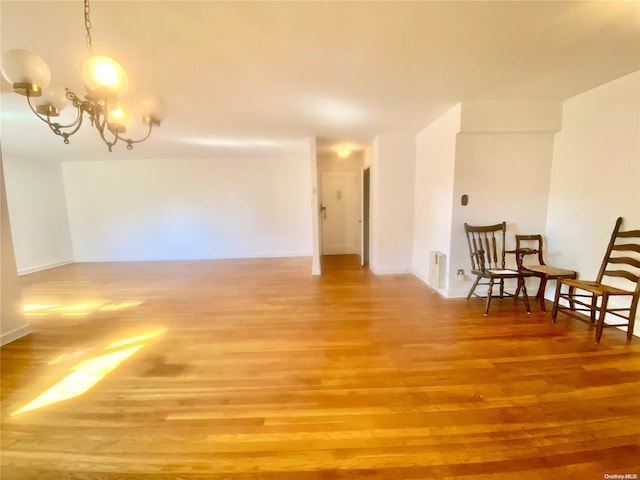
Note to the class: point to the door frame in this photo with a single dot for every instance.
(365, 193)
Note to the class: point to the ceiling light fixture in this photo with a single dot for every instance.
(105, 81)
(344, 151)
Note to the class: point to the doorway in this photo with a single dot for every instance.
(340, 213)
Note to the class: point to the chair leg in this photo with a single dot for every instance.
(572, 304)
(554, 312)
(594, 308)
(486, 310)
(571, 292)
(632, 318)
(519, 287)
(540, 294)
(525, 296)
(603, 312)
(473, 288)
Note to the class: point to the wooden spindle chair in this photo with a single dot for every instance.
(488, 263)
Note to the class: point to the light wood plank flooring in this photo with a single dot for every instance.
(254, 369)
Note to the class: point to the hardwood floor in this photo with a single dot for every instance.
(253, 369)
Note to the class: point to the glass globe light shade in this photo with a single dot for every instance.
(53, 99)
(152, 108)
(104, 76)
(120, 119)
(25, 71)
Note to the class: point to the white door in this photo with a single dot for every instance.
(340, 213)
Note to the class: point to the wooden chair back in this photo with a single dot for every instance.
(486, 246)
(621, 263)
(529, 245)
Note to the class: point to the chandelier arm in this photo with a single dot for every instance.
(75, 100)
(101, 124)
(104, 138)
(45, 118)
(131, 142)
(57, 127)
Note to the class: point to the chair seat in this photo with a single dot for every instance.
(597, 288)
(550, 270)
(504, 271)
(494, 272)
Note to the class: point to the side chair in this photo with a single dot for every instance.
(532, 245)
(617, 280)
(487, 252)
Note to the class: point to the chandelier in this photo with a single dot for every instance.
(105, 82)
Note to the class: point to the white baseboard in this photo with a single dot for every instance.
(224, 257)
(389, 271)
(26, 271)
(456, 293)
(15, 334)
(424, 280)
(420, 277)
(459, 292)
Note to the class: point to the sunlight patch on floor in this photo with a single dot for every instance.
(88, 372)
(76, 309)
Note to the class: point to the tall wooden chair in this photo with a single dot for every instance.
(487, 252)
(618, 278)
(527, 245)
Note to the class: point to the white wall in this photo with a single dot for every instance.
(511, 116)
(316, 233)
(435, 162)
(499, 155)
(38, 209)
(506, 178)
(332, 163)
(12, 321)
(595, 175)
(392, 202)
(189, 208)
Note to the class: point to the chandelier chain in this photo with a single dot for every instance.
(87, 26)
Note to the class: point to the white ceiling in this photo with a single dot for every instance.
(260, 77)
